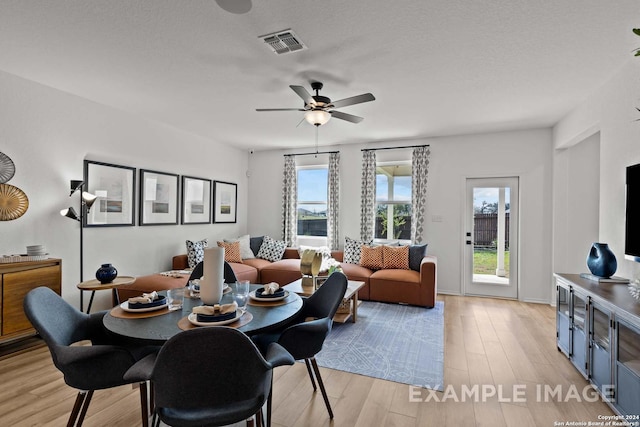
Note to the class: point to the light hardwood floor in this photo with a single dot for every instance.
(490, 343)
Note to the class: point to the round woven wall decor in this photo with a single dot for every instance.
(7, 168)
(13, 202)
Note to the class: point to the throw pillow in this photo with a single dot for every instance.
(416, 253)
(231, 251)
(255, 243)
(395, 257)
(271, 249)
(352, 250)
(195, 252)
(245, 246)
(322, 250)
(372, 257)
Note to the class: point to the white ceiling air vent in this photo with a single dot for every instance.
(284, 41)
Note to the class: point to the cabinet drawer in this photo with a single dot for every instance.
(15, 286)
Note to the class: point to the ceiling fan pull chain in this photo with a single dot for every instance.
(316, 156)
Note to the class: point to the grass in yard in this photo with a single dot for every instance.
(486, 261)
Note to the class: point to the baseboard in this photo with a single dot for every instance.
(441, 292)
(536, 301)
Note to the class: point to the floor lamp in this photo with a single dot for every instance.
(86, 201)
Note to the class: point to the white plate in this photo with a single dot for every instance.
(125, 307)
(193, 319)
(253, 296)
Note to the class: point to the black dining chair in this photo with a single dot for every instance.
(304, 338)
(229, 275)
(198, 272)
(210, 377)
(87, 368)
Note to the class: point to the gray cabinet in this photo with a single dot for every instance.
(599, 330)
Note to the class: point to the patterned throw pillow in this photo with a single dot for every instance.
(372, 257)
(271, 249)
(416, 253)
(245, 246)
(395, 257)
(231, 251)
(352, 250)
(195, 252)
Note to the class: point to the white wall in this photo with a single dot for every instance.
(48, 134)
(612, 111)
(576, 204)
(526, 154)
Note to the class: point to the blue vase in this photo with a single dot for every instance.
(601, 261)
(106, 273)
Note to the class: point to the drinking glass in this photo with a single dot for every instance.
(241, 293)
(175, 298)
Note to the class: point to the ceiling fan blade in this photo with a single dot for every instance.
(303, 93)
(365, 97)
(280, 109)
(344, 116)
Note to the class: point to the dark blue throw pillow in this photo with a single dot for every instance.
(255, 243)
(416, 253)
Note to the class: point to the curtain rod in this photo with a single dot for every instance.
(394, 148)
(309, 154)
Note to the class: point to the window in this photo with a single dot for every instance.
(393, 202)
(312, 201)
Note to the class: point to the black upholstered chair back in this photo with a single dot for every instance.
(229, 275)
(211, 367)
(325, 301)
(198, 271)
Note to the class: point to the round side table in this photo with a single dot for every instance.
(95, 285)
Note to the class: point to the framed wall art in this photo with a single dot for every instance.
(114, 186)
(225, 199)
(196, 200)
(158, 198)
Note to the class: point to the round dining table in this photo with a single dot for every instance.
(157, 329)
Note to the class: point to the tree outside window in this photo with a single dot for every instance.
(312, 201)
(393, 202)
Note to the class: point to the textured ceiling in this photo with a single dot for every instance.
(436, 67)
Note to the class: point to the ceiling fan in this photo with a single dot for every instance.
(319, 109)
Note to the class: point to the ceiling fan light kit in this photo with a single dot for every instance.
(319, 109)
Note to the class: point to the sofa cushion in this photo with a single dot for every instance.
(257, 263)
(245, 272)
(395, 285)
(353, 250)
(416, 253)
(231, 251)
(282, 272)
(271, 249)
(245, 246)
(195, 252)
(395, 257)
(372, 257)
(255, 243)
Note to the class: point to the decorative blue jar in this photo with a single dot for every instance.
(601, 261)
(106, 273)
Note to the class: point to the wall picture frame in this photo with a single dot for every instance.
(114, 186)
(196, 200)
(225, 200)
(158, 198)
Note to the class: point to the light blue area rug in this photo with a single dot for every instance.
(394, 342)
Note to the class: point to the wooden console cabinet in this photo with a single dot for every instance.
(16, 280)
(598, 328)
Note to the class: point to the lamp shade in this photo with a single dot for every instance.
(70, 213)
(89, 199)
(317, 117)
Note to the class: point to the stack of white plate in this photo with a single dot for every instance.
(36, 250)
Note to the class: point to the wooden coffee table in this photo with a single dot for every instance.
(350, 297)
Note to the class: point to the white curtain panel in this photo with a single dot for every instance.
(289, 201)
(419, 171)
(368, 196)
(333, 202)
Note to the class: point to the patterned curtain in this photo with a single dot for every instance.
(289, 202)
(368, 196)
(419, 171)
(333, 201)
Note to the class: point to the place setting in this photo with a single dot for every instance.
(231, 315)
(149, 305)
(270, 294)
